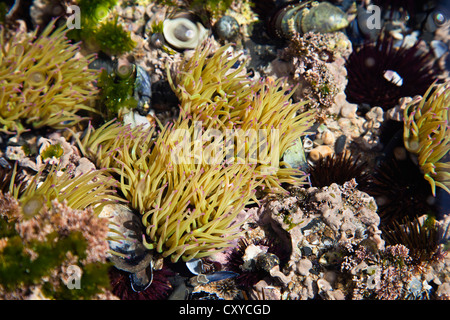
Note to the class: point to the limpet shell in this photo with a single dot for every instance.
(182, 33)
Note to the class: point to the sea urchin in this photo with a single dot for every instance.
(380, 73)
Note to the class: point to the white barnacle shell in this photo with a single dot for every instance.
(393, 77)
(182, 33)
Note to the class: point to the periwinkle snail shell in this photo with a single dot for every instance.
(304, 17)
(226, 28)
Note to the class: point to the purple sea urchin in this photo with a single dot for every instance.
(249, 275)
(380, 73)
(400, 191)
(337, 169)
(409, 6)
(421, 238)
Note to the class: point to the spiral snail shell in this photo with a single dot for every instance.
(309, 16)
(226, 28)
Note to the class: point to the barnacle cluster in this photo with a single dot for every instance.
(427, 134)
(43, 82)
(314, 61)
(384, 275)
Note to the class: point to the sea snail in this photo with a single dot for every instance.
(306, 16)
(127, 252)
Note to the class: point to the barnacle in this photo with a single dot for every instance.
(42, 83)
(427, 134)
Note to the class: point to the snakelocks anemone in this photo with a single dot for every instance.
(43, 82)
(188, 185)
(223, 97)
(187, 208)
(94, 189)
(427, 134)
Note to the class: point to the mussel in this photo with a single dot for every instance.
(205, 276)
(127, 251)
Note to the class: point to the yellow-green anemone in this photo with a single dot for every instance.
(427, 134)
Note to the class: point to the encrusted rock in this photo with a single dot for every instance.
(335, 217)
